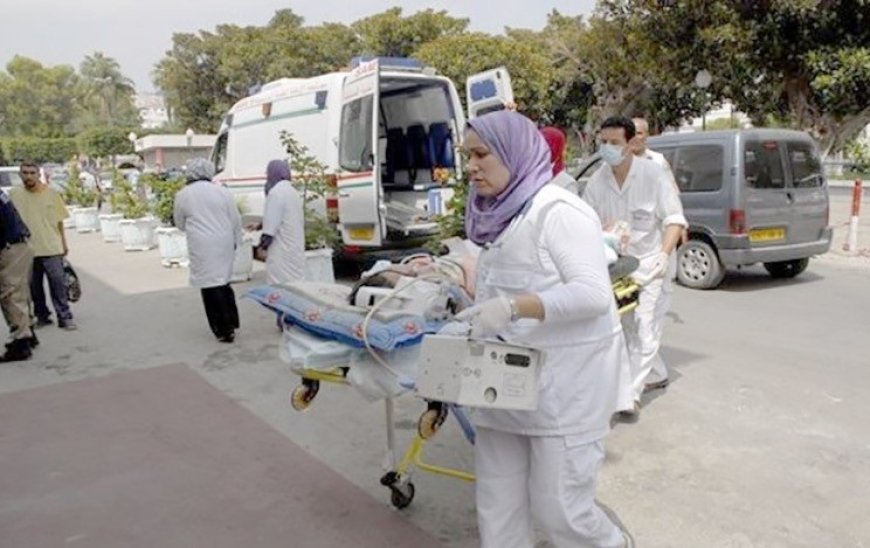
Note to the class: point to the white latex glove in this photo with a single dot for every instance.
(659, 266)
(487, 318)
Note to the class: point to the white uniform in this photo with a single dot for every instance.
(659, 159)
(564, 180)
(208, 215)
(648, 202)
(545, 462)
(284, 220)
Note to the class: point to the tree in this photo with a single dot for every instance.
(107, 93)
(390, 34)
(37, 101)
(195, 92)
(460, 56)
(807, 61)
(104, 142)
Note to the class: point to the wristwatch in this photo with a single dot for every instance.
(515, 310)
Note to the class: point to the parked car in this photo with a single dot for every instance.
(750, 196)
(9, 177)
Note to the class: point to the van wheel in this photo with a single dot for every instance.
(698, 265)
(787, 269)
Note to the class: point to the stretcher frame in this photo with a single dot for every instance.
(399, 470)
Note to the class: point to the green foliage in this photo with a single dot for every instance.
(800, 60)
(723, 123)
(164, 195)
(390, 34)
(312, 180)
(128, 202)
(107, 95)
(460, 56)
(859, 154)
(452, 223)
(104, 142)
(40, 150)
(74, 185)
(37, 101)
(52, 102)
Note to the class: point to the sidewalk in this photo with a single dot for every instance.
(840, 217)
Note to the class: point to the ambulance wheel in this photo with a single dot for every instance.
(430, 421)
(302, 396)
(401, 497)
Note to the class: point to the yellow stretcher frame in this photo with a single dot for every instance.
(398, 477)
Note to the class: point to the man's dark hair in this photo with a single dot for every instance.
(28, 163)
(624, 123)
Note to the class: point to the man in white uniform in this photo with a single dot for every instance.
(640, 193)
(208, 215)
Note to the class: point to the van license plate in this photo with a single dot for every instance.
(766, 234)
(366, 234)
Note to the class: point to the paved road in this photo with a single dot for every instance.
(760, 441)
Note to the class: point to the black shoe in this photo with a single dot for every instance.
(227, 338)
(33, 341)
(16, 351)
(42, 322)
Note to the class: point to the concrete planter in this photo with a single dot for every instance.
(172, 244)
(110, 227)
(86, 219)
(243, 263)
(318, 266)
(70, 222)
(137, 234)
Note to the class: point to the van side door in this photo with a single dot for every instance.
(488, 91)
(361, 219)
(767, 198)
(807, 191)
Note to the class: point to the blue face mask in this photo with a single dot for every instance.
(612, 154)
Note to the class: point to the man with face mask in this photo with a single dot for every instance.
(634, 191)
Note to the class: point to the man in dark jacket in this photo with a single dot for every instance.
(16, 262)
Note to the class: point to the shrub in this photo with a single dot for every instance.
(312, 180)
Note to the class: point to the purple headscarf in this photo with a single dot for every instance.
(516, 141)
(276, 171)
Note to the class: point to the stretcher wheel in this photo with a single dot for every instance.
(401, 497)
(431, 420)
(302, 395)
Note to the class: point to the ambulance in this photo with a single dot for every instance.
(387, 130)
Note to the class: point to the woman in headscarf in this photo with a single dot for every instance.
(542, 282)
(207, 213)
(556, 140)
(283, 239)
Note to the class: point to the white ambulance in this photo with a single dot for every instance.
(383, 129)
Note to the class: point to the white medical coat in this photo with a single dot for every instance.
(648, 201)
(208, 215)
(284, 220)
(555, 250)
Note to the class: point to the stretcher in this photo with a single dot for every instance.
(375, 348)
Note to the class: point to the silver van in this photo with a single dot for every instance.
(750, 196)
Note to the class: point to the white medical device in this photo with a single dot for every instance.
(479, 373)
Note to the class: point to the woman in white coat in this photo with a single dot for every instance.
(283, 239)
(208, 215)
(542, 281)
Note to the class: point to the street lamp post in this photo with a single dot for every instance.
(703, 79)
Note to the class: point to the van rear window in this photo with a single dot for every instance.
(698, 168)
(763, 166)
(806, 168)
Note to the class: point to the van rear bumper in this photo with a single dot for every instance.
(736, 250)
